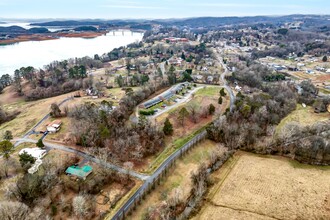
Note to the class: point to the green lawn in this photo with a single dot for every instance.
(208, 91)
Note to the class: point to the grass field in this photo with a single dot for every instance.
(179, 178)
(267, 187)
(209, 91)
(304, 116)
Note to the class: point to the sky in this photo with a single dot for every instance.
(113, 9)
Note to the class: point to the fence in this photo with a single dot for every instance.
(155, 179)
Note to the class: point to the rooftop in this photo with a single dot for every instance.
(81, 172)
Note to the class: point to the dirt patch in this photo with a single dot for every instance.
(270, 187)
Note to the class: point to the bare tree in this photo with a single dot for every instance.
(193, 108)
(13, 210)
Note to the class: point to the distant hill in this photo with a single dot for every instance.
(11, 29)
(20, 30)
(70, 23)
(85, 28)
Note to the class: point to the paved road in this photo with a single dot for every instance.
(229, 90)
(86, 156)
(155, 176)
(185, 99)
(32, 130)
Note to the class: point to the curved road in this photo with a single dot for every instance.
(32, 130)
(86, 156)
(225, 84)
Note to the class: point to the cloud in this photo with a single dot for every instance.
(128, 4)
(242, 5)
(132, 6)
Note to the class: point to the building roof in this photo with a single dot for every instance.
(55, 123)
(34, 152)
(81, 172)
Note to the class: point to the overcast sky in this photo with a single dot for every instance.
(110, 9)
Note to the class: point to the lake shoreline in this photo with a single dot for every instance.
(43, 37)
(40, 50)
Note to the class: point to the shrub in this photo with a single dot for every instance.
(147, 112)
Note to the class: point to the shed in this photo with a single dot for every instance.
(81, 172)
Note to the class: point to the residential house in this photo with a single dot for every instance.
(37, 154)
(54, 126)
(81, 172)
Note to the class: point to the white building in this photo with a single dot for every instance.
(54, 126)
(36, 153)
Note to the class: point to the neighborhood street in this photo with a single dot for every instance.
(86, 156)
(225, 84)
(185, 99)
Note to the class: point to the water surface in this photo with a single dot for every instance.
(40, 53)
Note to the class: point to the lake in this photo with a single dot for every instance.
(40, 53)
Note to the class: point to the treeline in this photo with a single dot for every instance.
(253, 74)
(251, 125)
(307, 144)
(6, 116)
(55, 79)
(298, 42)
(5, 80)
(94, 127)
(253, 117)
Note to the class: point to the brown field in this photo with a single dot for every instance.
(82, 34)
(31, 113)
(270, 187)
(33, 37)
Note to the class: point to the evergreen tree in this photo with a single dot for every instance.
(26, 159)
(222, 92)
(220, 100)
(183, 113)
(168, 127)
(211, 109)
(325, 59)
(40, 144)
(8, 135)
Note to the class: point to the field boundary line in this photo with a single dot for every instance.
(243, 210)
(230, 168)
(212, 193)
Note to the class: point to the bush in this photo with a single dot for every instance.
(147, 112)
